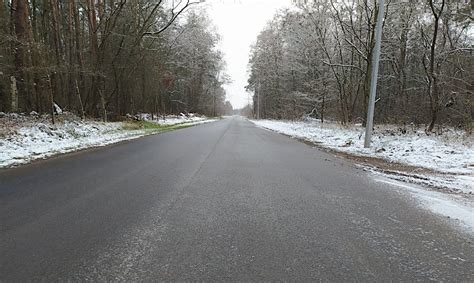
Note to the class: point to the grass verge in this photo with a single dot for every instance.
(150, 127)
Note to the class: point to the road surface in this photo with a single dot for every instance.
(220, 201)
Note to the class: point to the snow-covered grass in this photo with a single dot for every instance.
(27, 138)
(166, 123)
(171, 120)
(451, 153)
(30, 142)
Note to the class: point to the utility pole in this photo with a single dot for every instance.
(375, 72)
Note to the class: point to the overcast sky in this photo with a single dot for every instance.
(239, 22)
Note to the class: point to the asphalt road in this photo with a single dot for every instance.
(220, 201)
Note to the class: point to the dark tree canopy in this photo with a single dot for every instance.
(108, 58)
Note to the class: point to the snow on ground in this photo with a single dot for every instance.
(452, 152)
(171, 120)
(459, 184)
(451, 206)
(39, 141)
(27, 138)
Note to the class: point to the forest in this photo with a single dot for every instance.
(315, 60)
(106, 59)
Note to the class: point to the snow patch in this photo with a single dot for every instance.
(447, 205)
(176, 120)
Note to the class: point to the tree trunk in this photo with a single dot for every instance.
(58, 50)
(402, 72)
(94, 55)
(19, 14)
(102, 104)
(81, 106)
(14, 95)
(51, 98)
(78, 46)
(433, 89)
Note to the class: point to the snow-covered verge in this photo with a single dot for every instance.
(27, 138)
(451, 154)
(171, 120)
(440, 168)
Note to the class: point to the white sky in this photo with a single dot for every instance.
(239, 22)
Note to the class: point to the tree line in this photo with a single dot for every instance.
(108, 58)
(315, 60)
